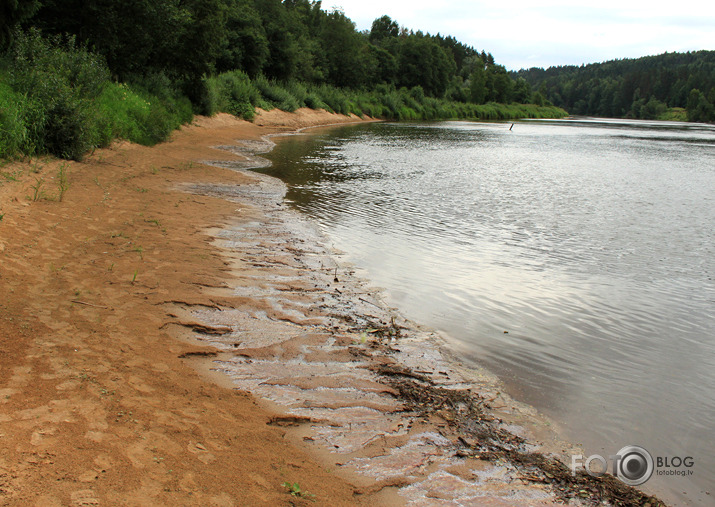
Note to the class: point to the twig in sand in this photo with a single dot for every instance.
(90, 304)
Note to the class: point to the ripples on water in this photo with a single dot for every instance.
(590, 242)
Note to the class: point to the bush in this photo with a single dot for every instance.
(334, 98)
(58, 81)
(208, 98)
(69, 125)
(237, 94)
(13, 133)
(138, 116)
(313, 102)
(275, 95)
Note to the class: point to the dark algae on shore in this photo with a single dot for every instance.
(479, 434)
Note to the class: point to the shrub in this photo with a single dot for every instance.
(275, 95)
(208, 98)
(313, 101)
(69, 125)
(13, 132)
(237, 94)
(138, 116)
(59, 80)
(334, 98)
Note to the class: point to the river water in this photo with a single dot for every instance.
(573, 258)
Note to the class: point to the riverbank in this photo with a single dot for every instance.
(115, 296)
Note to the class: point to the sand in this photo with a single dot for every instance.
(171, 335)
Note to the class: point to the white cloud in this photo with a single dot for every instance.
(526, 33)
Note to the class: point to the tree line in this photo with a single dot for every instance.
(282, 40)
(75, 74)
(677, 86)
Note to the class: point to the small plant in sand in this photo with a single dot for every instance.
(37, 192)
(294, 490)
(10, 176)
(134, 278)
(63, 183)
(36, 167)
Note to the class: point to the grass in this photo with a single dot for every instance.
(37, 192)
(62, 182)
(10, 176)
(674, 114)
(295, 490)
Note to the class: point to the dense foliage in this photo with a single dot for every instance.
(57, 97)
(75, 74)
(281, 40)
(667, 86)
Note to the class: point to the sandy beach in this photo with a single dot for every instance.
(171, 334)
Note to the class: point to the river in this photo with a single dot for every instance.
(572, 258)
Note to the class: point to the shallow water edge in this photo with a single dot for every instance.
(377, 396)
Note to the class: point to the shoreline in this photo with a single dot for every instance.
(139, 423)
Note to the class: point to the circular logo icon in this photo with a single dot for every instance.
(635, 465)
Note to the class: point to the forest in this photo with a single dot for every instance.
(671, 86)
(75, 74)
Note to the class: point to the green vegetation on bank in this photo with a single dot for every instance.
(70, 83)
(234, 92)
(57, 97)
(671, 86)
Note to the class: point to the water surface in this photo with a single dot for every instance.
(575, 259)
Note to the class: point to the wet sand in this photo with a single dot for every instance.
(173, 335)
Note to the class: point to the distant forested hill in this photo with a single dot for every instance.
(648, 87)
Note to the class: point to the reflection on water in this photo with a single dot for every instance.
(589, 242)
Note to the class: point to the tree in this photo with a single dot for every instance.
(478, 91)
(136, 36)
(522, 91)
(609, 88)
(345, 51)
(423, 62)
(699, 107)
(383, 28)
(245, 46)
(13, 12)
(499, 84)
(382, 66)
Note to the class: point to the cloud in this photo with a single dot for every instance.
(524, 33)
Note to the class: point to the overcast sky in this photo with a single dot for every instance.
(542, 33)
